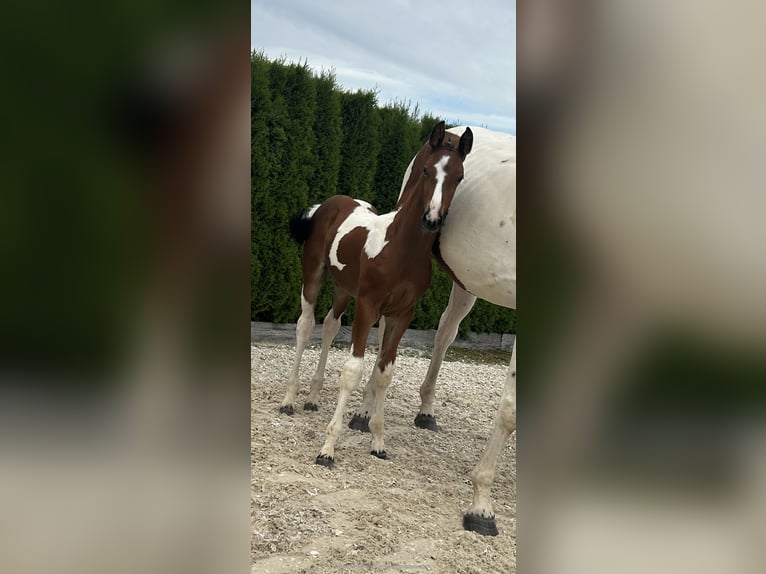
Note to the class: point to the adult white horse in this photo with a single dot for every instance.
(477, 248)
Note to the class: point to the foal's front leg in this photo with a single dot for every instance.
(382, 374)
(361, 419)
(364, 318)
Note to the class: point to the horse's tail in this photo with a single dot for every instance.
(301, 223)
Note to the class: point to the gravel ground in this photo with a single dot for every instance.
(395, 515)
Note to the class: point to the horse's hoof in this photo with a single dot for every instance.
(428, 422)
(379, 454)
(480, 524)
(286, 410)
(360, 423)
(323, 460)
(310, 407)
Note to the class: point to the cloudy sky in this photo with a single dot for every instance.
(455, 58)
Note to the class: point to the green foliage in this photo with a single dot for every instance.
(400, 134)
(311, 140)
(360, 146)
(260, 156)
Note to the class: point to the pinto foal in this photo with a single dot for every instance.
(382, 260)
(477, 249)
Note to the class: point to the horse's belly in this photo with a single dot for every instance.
(488, 273)
(478, 243)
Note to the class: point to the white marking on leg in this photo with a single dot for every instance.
(302, 336)
(483, 474)
(349, 379)
(376, 226)
(368, 398)
(436, 199)
(459, 305)
(382, 381)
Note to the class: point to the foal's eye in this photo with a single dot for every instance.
(425, 171)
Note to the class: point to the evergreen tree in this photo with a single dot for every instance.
(399, 143)
(310, 140)
(323, 182)
(361, 143)
(328, 131)
(260, 119)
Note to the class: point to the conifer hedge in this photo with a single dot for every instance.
(310, 140)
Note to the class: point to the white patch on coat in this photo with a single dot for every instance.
(436, 199)
(376, 226)
(376, 237)
(311, 211)
(363, 203)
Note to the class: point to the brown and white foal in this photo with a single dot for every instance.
(382, 260)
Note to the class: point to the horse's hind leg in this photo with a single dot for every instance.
(330, 329)
(480, 517)
(460, 303)
(361, 419)
(302, 335)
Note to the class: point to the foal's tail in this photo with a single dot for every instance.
(301, 223)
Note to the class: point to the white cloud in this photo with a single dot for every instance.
(453, 59)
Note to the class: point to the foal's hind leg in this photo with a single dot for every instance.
(480, 517)
(330, 329)
(460, 303)
(361, 419)
(302, 335)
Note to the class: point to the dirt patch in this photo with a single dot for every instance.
(402, 514)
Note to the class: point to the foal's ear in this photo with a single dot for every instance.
(437, 135)
(466, 143)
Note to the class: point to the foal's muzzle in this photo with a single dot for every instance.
(431, 225)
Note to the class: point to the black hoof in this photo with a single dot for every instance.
(323, 460)
(480, 524)
(287, 410)
(428, 422)
(379, 454)
(360, 423)
(310, 407)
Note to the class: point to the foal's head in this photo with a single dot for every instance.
(441, 165)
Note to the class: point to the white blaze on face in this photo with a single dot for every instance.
(436, 199)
